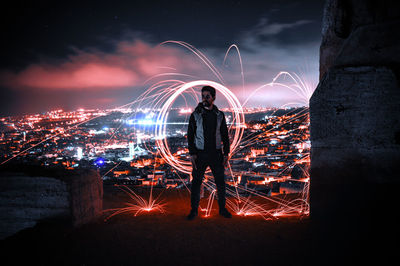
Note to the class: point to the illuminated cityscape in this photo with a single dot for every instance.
(272, 157)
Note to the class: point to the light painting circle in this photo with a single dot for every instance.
(238, 122)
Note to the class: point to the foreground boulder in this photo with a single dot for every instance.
(74, 197)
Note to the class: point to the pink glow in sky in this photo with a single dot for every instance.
(72, 76)
(88, 78)
(128, 66)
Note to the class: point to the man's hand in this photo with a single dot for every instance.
(193, 159)
(226, 158)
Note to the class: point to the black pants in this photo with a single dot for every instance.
(215, 161)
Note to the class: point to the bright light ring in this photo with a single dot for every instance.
(160, 129)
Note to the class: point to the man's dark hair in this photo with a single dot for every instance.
(209, 89)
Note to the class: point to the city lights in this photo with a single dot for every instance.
(143, 144)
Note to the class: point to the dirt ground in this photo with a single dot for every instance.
(154, 238)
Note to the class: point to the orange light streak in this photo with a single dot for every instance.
(139, 205)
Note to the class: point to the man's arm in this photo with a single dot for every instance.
(225, 137)
(190, 135)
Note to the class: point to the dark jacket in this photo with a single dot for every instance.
(196, 129)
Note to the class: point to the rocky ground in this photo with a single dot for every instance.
(153, 238)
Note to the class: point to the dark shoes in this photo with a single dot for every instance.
(192, 215)
(224, 212)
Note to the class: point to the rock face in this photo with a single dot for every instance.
(27, 200)
(355, 116)
(358, 33)
(86, 198)
(355, 126)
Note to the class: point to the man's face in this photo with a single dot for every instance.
(207, 98)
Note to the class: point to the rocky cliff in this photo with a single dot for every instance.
(355, 120)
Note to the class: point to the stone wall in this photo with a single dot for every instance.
(27, 200)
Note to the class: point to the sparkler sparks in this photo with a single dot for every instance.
(168, 89)
(178, 88)
(139, 205)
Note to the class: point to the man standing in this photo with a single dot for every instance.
(208, 146)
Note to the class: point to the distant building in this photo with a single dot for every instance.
(79, 153)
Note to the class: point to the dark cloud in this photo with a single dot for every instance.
(47, 44)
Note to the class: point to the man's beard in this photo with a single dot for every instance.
(206, 104)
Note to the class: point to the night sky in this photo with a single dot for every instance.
(98, 55)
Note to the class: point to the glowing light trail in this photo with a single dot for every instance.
(163, 94)
(139, 205)
(185, 166)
